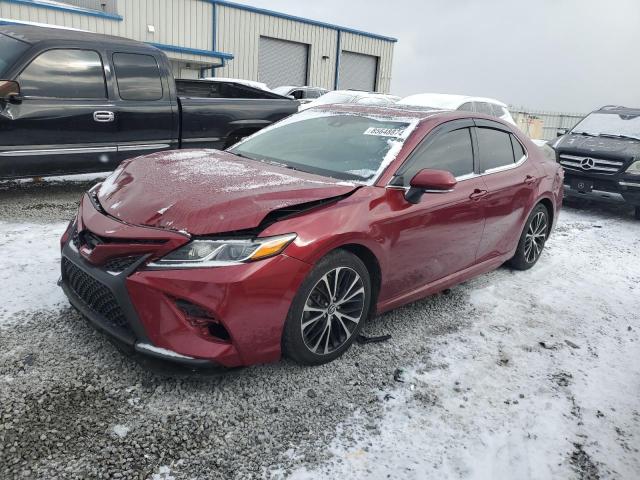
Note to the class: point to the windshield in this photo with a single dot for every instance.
(609, 124)
(334, 97)
(10, 50)
(345, 146)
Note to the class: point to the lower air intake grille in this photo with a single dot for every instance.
(94, 294)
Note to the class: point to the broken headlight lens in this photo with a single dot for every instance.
(219, 253)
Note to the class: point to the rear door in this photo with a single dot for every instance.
(59, 127)
(440, 235)
(146, 116)
(511, 183)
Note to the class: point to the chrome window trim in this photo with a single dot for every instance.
(150, 146)
(506, 167)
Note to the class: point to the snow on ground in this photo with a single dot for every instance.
(30, 267)
(544, 383)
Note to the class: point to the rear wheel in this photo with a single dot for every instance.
(533, 239)
(328, 311)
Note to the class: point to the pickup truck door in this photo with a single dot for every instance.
(62, 124)
(144, 98)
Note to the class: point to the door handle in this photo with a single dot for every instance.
(103, 116)
(529, 179)
(478, 194)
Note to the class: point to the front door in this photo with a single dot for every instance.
(63, 124)
(440, 235)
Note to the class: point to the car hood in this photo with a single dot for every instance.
(608, 147)
(207, 191)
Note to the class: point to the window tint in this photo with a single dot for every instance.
(297, 94)
(450, 151)
(138, 76)
(518, 150)
(466, 107)
(495, 148)
(314, 93)
(485, 108)
(10, 51)
(64, 74)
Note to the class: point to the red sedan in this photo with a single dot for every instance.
(287, 242)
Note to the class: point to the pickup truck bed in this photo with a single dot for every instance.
(78, 102)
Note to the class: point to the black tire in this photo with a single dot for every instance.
(532, 239)
(302, 329)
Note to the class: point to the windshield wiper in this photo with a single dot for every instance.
(265, 160)
(615, 135)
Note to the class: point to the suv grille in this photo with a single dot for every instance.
(94, 294)
(590, 164)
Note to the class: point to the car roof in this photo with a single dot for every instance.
(35, 34)
(390, 111)
(445, 100)
(619, 109)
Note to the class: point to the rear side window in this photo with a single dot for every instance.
(485, 108)
(466, 107)
(518, 150)
(495, 149)
(451, 151)
(314, 93)
(138, 76)
(61, 73)
(10, 51)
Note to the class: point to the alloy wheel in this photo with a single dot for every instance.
(535, 237)
(333, 310)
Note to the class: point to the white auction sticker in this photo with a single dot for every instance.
(384, 132)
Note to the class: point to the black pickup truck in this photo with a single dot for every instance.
(601, 157)
(76, 102)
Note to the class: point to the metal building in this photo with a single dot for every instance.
(225, 39)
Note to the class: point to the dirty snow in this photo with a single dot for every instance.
(30, 268)
(120, 430)
(543, 383)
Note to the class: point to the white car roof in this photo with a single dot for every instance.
(248, 83)
(445, 100)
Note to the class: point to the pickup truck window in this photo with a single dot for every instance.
(10, 50)
(61, 73)
(138, 77)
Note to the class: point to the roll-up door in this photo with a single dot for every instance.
(358, 71)
(282, 62)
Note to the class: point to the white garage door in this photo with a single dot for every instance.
(282, 63)
(358, 71)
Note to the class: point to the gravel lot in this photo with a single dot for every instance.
(560, 344)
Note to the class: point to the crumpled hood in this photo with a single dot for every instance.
(580, 144)
(207, 191)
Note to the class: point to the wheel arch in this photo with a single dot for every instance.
(373, 267)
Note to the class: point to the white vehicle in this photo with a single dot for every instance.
(302, 94)
(248, 83)
(445, 101)
(351, 96)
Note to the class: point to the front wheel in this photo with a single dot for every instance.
(328, 311)
(533, 239)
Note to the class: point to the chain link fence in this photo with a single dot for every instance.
(542, 124)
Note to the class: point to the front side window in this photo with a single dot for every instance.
(138, 77)
(343, 146)
(61, 73)
(494, 148)
(10, 51)
(451, 151)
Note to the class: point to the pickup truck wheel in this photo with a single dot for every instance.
(328, 311)
(533, 238)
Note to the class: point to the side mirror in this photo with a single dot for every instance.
(561, 132)
(10, 92)
(430, 181)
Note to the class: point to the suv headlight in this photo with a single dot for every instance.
(220, 253)
(634, 168)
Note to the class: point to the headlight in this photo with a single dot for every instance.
(220, 253)
(634, 168)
